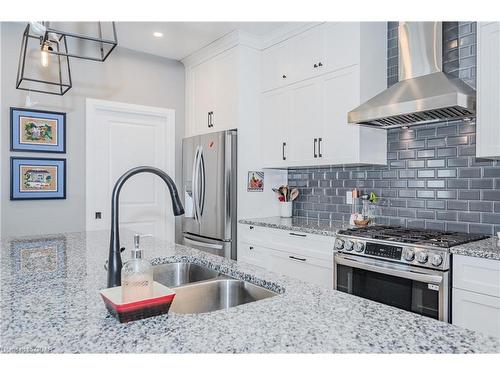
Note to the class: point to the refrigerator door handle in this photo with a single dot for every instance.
(202, 176)
(202, 244)
(195, 185)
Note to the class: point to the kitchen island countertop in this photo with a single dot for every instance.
(50, 303)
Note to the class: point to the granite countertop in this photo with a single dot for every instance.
(299, 224)
(489, 248)
(50, 303)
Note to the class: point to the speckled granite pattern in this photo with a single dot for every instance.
(298, 224)
(50, 303)
(489, 248)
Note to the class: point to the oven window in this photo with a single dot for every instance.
(395, 291)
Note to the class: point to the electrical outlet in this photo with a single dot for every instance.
(348, 197)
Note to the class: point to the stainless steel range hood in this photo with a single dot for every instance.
(424, 93)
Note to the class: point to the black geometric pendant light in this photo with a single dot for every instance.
(37, 70)
(85, 40)
(46, 48)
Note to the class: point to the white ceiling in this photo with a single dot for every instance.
(180, 39)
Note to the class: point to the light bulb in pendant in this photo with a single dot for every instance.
(44, 55)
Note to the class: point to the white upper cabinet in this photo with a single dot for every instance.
(335, 67)
(212, 93)
(226, 90)
(350, 32)
(275, 127)
(488, 90)
(202, 98)
(305, 121)
(276, 66)
(309, 53)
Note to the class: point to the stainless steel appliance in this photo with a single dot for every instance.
(424, 93)
(209, 192)
(400, 267)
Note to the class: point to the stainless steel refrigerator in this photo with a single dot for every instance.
(209, 191)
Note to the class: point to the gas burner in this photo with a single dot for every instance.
(421, 237)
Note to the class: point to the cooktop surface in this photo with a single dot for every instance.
(413, 236)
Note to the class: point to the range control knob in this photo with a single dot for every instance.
(339, 244)
(348, 245)
(436, 260)
(422, 257)
(359, 247)
(409, 255)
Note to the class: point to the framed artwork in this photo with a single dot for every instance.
(37, 178)
(255, 181)
(37, 131)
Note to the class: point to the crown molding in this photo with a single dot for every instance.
(236, 37)
(286, 32)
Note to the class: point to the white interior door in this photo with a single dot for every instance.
(120, 136)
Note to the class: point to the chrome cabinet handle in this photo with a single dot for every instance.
(295, 258)
(250, 247)
(297, 234)
(315, 144)
(320, 155)
(283, 76)
(283, 150)
(251, 227)
(315, 65)
(320, 64)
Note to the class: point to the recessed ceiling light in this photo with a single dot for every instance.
(157, 34)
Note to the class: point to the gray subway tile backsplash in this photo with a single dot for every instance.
(432, 179)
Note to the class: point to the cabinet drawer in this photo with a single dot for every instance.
(295, 265)
(250, 253)
(476, 311)
(305, 244)
(476, 275)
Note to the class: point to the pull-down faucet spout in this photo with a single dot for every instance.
(115, 260)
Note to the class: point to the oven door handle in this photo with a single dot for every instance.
(392, 270)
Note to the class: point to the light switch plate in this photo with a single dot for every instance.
(348, 197)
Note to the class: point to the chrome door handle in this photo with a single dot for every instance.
(391, 271)
(202, 176)
(194, 184)
(319, 147)
(202, 244)
(315, 144)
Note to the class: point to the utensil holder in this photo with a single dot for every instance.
(286, 209)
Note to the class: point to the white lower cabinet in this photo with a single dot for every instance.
(476, 311)
(476, 294)
(304, 256)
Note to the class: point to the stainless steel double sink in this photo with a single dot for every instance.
(200, 289)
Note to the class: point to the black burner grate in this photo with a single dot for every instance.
(413, 236)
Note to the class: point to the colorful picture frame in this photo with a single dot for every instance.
(37, 131)
(37, 178)
(255, 181)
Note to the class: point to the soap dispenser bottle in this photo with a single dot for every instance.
(137, 275)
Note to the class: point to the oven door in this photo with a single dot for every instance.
(410, 288)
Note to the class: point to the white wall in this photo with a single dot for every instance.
(126, 76)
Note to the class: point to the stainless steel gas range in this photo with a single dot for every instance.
(400, 267)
